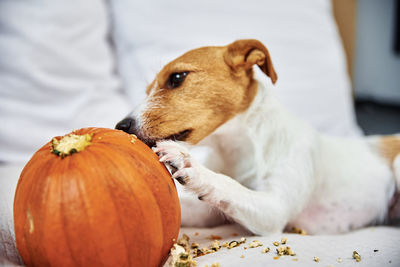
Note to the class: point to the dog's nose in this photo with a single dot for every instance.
(127, 125)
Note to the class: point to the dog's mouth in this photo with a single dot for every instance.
(181, 136)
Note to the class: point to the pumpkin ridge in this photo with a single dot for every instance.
(165, 220)
(33, 189)
(44, 211)
(83, 183)
(128, 185)
(84, 202)
(121, 225)
(63, 217)
(21, 183)
(25, 210)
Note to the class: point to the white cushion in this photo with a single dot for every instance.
(56, 73)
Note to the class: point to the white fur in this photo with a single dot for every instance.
(271, 170)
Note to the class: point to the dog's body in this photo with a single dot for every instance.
(269, 169)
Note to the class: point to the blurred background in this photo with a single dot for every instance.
(370, 30)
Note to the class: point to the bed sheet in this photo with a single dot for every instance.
(377, 246)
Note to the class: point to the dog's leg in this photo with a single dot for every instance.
(259, 211)
(196, 213)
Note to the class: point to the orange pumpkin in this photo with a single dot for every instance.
(95, 197)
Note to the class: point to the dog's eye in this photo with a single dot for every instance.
(176, 79)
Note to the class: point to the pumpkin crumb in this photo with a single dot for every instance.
(265, 250)
(233, 244)
(197, 252)
(180, 257)
(276, 257)
(215, 237)
(285, 250)
(133, 138)
(206, 250)
(316, 259)
(242, 256)
(215, 245)
(356, 256)
(255, 244)
(194, 245)
(184, 242)
(299, 231)
(180, 253)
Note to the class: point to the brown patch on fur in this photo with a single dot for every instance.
(219, 85)
(246, 53)
(390, 147)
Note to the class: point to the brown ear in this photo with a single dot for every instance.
(246, 53)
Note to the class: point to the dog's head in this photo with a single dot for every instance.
(199, 91)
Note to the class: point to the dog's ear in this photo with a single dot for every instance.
(243, 54)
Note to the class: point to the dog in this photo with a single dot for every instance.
(270, 170)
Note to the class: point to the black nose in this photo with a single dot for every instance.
(127, 125)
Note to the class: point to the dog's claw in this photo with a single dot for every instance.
(172, 167)
(181, 180)
(164, 159)
(177, 160)
(171, 164)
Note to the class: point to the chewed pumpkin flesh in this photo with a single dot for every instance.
(111, 204)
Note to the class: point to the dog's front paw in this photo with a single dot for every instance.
(178, 159)
(196, 178)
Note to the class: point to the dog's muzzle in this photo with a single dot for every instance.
(127, 125)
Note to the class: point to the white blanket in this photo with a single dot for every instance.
(385, 240)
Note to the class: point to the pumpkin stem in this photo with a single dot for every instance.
(70, 144)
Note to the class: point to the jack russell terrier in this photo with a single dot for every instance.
(270, 169)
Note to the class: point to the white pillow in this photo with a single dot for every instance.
(301, 36)
(56, 73)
